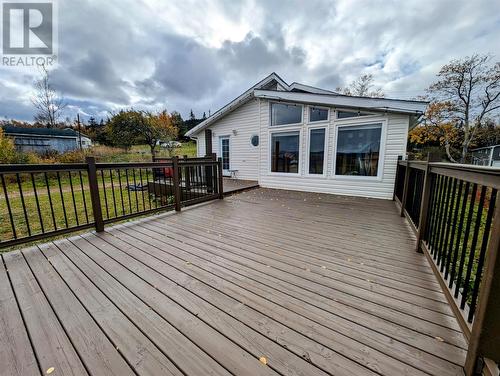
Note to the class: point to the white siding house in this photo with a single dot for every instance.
(310, 139)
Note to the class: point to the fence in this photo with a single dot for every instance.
(38, 201)
(455, 213)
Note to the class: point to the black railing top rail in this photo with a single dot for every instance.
(27, 168)
(484, 175)
(122, 165)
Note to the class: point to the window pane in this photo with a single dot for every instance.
(285, 152)
(282, 113)
(349, 114)
(316, 151)
(318, 114)
(358, 150)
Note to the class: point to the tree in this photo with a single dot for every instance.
(435, 130)
(362, 87)
(470, 89)
(191, 115)
(158, 127)
(123, 128)
(48, 104)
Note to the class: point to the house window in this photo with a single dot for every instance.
(350, 114)
(358, 150)
(316, 150)
(285, 152)
(318, 114)
(283, 114)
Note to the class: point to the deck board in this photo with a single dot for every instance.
(311, 284)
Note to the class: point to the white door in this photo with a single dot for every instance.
(224, 153)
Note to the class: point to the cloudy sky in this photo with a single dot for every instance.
(182, 55)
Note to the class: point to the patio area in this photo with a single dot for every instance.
(264, 282)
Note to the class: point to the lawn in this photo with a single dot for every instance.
(62, 200)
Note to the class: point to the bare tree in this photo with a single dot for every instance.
(471, 89)
(48, 104)
(362, 87)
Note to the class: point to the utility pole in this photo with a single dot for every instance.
(79, 130)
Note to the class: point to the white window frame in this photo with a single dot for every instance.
(325, 150)
(317, 121)
(355, 122)
(285, 125)
(270, 150)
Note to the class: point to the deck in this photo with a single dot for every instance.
(232, 186)
(265, 282)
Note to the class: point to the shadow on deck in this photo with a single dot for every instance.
(265, 282)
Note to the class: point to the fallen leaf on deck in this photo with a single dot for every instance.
(50, 370)
(439, 339)
(263, 360)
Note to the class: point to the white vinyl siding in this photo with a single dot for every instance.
(243, 156)
(394, 135)
(254, 163)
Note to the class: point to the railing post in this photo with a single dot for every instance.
(405, 188)
(177, 185)
(400, 157)
(94, 194)
(424, 204)
(485, 335)
(220, 179)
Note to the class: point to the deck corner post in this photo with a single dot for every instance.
(424, 204)
(94, 194)
(220, 179)
(405, 188)
(484, 342)
(177, 185)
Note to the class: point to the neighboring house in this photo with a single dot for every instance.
(304, 138)
(487, 156)
(41, 140)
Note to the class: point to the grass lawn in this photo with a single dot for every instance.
(67, 204)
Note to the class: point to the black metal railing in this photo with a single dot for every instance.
(454, 210)
(38, 201)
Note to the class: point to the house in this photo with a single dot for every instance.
(299, 137)
(41, 140)
(486, 156)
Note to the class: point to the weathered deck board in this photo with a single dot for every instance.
(316, 284)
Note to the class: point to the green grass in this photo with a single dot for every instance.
(59, 208)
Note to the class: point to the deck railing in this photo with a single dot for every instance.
(455, 213)
(39, 201)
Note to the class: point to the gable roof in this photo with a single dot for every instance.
(270, 86)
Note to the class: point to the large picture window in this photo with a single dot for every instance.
(316, 150)
(285, 152)
(358, 150)
(283, 114)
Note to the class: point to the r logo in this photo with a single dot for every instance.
(27, 28)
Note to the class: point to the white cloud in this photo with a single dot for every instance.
(201, 54)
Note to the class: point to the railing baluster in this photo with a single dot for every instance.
(128, 190)
(105, 194)
(438, 215)
(73, 197)
(466, 240)
(62, 198)
(50, 201)
(459, 233)
(453, 229)
(473, 247)
(442, 245)
(121, 190)
(113, 192)
(482, 254)
(7, 200)
(37, 202)
(23, 204)
(83, 197)
(135, 190)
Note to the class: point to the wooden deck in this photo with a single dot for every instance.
(265, 282)
(232, 186)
